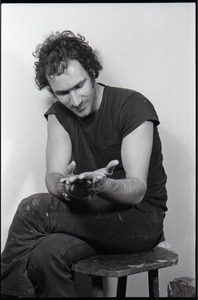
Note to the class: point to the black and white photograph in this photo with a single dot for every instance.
(98, 193)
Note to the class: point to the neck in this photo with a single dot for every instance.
(98, 95)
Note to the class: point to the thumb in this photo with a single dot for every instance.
(70, 168)
(111, 166)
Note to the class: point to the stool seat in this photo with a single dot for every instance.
(118, 265)
(122, 265)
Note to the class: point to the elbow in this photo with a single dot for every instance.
(140, 192)
(47, 182)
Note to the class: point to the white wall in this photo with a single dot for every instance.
(147, 47)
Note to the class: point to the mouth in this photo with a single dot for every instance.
(81, 107)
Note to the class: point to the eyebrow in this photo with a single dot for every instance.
(73, 88)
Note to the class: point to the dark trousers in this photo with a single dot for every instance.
(47, 235)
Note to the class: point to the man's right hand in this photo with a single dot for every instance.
(77, 189)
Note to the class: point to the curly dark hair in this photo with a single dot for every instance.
(56, 51)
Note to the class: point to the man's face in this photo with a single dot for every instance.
(74, 89)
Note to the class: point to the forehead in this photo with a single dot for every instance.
(71, 76)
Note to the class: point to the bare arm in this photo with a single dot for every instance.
(58, 166)
(135, 153)
(58, 155)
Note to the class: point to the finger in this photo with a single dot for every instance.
(111, 166)
(72, 179)
(87, 175)
(86, 182)
(70, 168)
(75, 179)
(99, 179)
(79, 182)
(63, 179)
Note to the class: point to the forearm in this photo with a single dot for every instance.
(53, 184)
(128, 191)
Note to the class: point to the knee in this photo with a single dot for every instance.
(30, 203)
(49, 253)
(60, 249)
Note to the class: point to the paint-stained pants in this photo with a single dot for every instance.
(47, 235)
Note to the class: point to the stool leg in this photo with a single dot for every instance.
(97, 286)
(121, 287)
(153, 284)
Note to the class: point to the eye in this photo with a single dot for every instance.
(80, 85)
(63, 93)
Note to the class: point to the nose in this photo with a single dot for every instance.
(75, 99)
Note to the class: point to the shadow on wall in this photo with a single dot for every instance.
(180, 171)
(180, 217)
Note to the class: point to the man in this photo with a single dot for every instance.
(104, 174)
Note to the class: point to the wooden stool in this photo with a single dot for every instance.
(123, 265)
